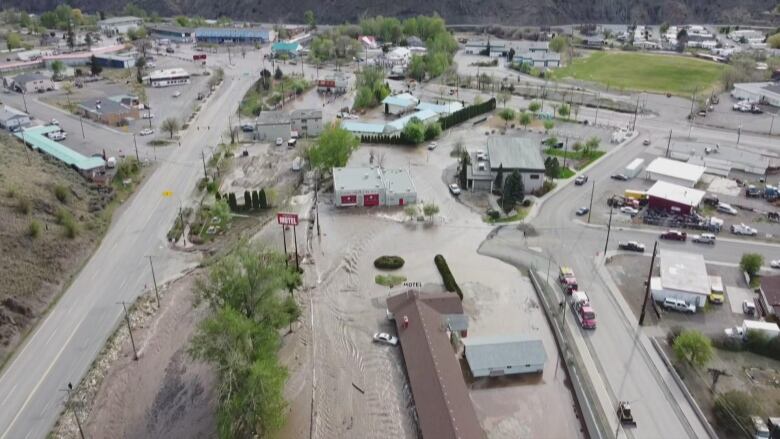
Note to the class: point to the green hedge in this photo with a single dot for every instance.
(389, 262)
(467, 113)
(446, 275)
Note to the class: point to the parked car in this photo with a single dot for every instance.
(629, 210)
(674, 235)
(632, 246)
(727, 208)
(704, 238)
(247, 128)
(454, 189)
(57, 135)
(678, 305)
(54, 122)
(432, 146)
(748, 307)
(580, 180)
(742, 229)
(582, 211)
(646, 142)
(620, 177)
(177, 94)
(291, 142)
(279, 141)
(146, 132)
(383, 337)
(169, 50)
(775, 263)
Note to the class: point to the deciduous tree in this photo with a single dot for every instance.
(694, 347)
(333, 148)
(171, 126)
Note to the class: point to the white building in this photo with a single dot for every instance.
(369, 187)
(683, 174)
(12, 119)
(168, 77)
(119, 25)
(760, 92)
(400, 103)
(750, 35)
(683, 276)
(398, 56)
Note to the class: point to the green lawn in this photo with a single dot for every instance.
(565, 173)
(679, 75)
(584, 159)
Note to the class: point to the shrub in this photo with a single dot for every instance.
(65, 218)
(62, 193)
(247, 201)
(446, 275)
(389, 280)
(34, 229)
(733, 410)
(211, 187)
(255, 200)
(23, 205)
(726, 343)
(263, 199)
(389, 262)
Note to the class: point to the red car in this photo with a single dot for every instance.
(674, 235)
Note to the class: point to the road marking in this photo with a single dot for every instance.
(38, 384)
(9, 394)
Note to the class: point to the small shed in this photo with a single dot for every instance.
(500, 355)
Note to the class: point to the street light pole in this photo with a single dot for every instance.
(136, 149)
(592, 189)
(25, 102)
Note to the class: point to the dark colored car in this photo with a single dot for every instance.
(674, 235)
(582, 211)
(620, 177)
(580, 180)
(632, 246)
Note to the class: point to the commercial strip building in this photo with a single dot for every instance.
(672, 171)
(369, 187)
(167, 77)
(683, 276)
(306, 122)
(12, 119)
(510, 154)
(119, 25)
(674, 198)
(767, 93)
(234, 35)
(504, 355)
(441, 399)
(36, 137)
(172, 33)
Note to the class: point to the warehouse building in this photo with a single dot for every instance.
(12, 119)
(539, 59)
(674, 198)
(119, 25)
(767, 93)
(272, 125)
(683, 174)
(172, 33)
(441, 398)
(683, 277)
(496, 356)
(168, 77)
(120, 61)
(443, 109)
(369, 187)
(363, 128)
(335, 83)
(232, 35)
(306, 122)
(400, 103)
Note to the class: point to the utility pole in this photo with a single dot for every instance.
(772, 125)
(75, 414)
(668, 144)
(609, 228)
(24, 145)
(690, 116)
(565, 151)
(81, 122)
(154, 279)
(647, 285)
(739, 133)
(203, 157)
(25, 102)
(136, 149)
(130, 330)
(598, 105)
(592, 189)
(636, 111)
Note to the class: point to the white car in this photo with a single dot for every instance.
(279, 141)
(727, 208)
(177, 94)
(148, 115)
(629, 210)
(146, 132)
(432, 146)
(704, 238)
(54, 122)
(455, 189)
(383, 337)
(742, 229)
(775, 263)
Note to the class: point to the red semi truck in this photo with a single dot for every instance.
(580, 305)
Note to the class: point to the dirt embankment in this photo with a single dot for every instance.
(37, 257)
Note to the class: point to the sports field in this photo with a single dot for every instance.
(679, 75)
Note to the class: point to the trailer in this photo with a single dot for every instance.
(634, 168)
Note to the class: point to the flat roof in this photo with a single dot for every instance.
(362, 127)
(676, 193)
(357, 179)
(107, 106)
(118, 20)
(169, 28)
(738, 158)
(445, 108)
(540, 56)
(273, 118)
(514, 153)
(503, 350)
(423, 115)
(675, 169)
(441, 399)
(761, 88)
(27, 77)
(231, 32)
(401, 100)
(306, 113)
(684, 272)
(168, 73)
(36, 137)
(398, 181)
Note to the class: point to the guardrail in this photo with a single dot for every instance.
(595, 421)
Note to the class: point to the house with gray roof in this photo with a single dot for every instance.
(509, 154)
(107, 111)
(32, 83)
(12, 119)
(501, 355)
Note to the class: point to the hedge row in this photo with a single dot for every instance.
(467, 113)
(446, 275)
(388, 140)
(389, 262)
(254, 200)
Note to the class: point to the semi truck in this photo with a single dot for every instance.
(580, 305)
(567, 279)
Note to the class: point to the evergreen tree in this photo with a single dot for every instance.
(513, 191)
(263, 200)
(499, 176)
(232, 202)
(247, 200)
(255, 200)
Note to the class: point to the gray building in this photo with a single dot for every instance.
(501, 355)
(272, 125)
(119, 25)
(12, 119)
(368, 187)
(510, 154)
(32, 83)
(683, 277)
(307, 122)
(541, 59)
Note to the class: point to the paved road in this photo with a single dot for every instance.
(64, 344)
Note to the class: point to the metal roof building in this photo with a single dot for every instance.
(425, 116)
(441, 399)
(370, 187)
(673, 171)
(441, 109)
(234, 35)
(514, 153)
(504, 355)
(400, 103)
(672, 197)
(683, 276)
(12, 119)
(36, 138)
(760, 92)
(363, 128)
(290, 48)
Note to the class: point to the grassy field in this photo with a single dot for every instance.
(679, 75)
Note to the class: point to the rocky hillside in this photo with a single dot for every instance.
(510, 12)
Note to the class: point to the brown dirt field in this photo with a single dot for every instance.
(35, 270)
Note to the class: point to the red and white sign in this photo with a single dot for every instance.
(287, 219)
